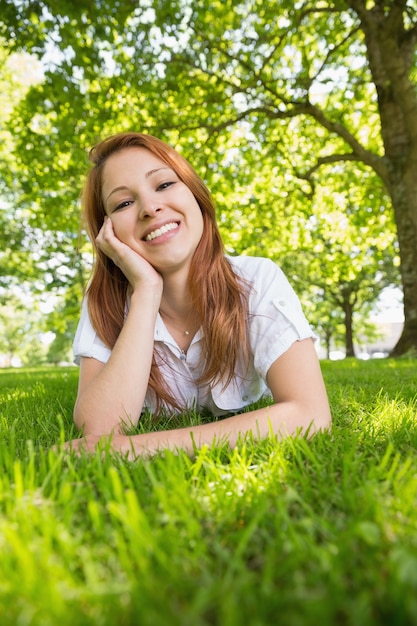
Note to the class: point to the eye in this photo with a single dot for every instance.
(122, 205)
(163, 186)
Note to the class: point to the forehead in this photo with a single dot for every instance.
(131, 161)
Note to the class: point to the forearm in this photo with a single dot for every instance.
(116, 394)
(281, 419)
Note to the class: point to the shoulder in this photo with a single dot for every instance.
(86, 341)
(256, 269)
(269, 286)
(251, 264)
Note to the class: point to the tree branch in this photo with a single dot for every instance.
(374, 161)
(325, 160)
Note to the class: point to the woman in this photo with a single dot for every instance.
(169, 322)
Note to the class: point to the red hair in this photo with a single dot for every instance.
(218, 295)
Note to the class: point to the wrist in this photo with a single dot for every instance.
(151, 293)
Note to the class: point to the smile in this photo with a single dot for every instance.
(161, 231)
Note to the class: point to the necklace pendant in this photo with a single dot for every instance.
(186, 332)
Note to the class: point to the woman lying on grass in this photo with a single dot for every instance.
(170, 323)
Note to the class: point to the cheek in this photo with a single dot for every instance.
(200, 222)
(122, 226)
(201, 229)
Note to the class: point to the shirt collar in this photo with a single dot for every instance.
(161, 333)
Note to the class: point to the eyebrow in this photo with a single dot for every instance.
(158, 169)
(147, 175)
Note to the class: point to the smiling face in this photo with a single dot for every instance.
(151, 209)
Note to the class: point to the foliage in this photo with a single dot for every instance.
(17, 74)
(344, 263)
(267, 101)
(315, 532)
(62, 321)
(19, 336)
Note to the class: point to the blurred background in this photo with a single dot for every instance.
(300, 117)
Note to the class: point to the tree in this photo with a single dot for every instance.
(390, 34)
(20, 334)
(62, 321)
(345, 263)
(342, 68)
(17, 73)
(303, 86)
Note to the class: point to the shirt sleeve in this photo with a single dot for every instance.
(276, 317)
(86, 341)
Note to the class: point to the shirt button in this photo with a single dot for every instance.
(244, 398)
(282, 302)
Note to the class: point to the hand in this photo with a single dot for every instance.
(86, 444)
(112, 443)
(137, 270)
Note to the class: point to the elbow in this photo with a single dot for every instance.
(81, 419)
(91, 422)
(311, 419)
(78, 418)
(322, 422)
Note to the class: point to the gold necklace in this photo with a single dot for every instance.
(167, 318)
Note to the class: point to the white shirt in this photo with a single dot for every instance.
(276, 321)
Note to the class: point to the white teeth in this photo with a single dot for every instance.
(160, 231)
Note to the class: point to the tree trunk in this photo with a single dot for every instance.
(328, 341)
(391, 52)
(348, 312)
(404, 206)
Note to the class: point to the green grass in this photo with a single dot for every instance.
(320, 532)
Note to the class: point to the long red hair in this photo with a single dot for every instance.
(218, 295)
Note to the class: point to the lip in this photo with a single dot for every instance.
(154, 227)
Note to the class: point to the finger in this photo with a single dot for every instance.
(108, 243)
(106, 232)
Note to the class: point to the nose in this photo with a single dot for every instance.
(148, 207)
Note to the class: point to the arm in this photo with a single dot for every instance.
(112, 393)
(300, 403)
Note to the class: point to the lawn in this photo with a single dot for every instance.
(320, 532)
